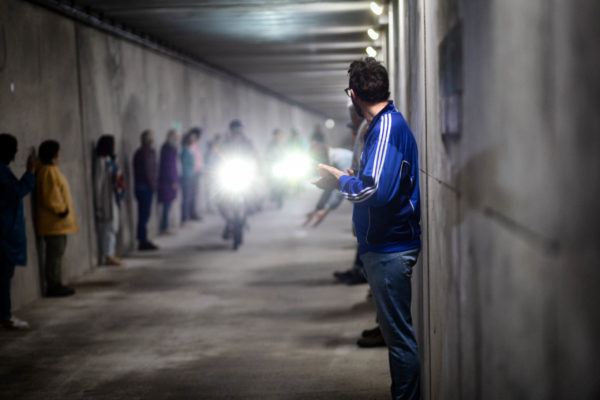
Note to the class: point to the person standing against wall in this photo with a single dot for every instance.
(144, 173)
(196, 134)
(55, 216)
(188, 177)
(13, 239)
(386, 216)
(107, 196)
(167, 178)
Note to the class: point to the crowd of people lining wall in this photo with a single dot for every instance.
(79, 83)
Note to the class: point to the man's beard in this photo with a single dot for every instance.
(357, 109)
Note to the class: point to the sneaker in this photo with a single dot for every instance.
(147, 245)
(371, 332)
(60, 291)
(15, 323)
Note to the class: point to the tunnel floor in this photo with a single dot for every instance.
(196, 320)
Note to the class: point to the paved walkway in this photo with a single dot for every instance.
(196, 320)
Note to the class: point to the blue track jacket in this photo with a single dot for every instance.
(385, 190)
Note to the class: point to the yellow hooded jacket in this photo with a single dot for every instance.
(53, 197)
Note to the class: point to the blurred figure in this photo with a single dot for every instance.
(331, 198)
(188, 176)
(274, 155)
(236, 204)
(13, 239)
(211, 161)
(167, 178)
(108, 191)
(55, 216)
(357, 273)
(296, 143)
(144, 172)
(196, 134)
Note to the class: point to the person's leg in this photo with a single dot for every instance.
(139, 196)
(164, 223)
(109, 239)
(389, 276)
(194, 197)
(185, 192)
(55, 250)
(7, 270)
(145, 206)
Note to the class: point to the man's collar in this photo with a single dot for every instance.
(388, 108)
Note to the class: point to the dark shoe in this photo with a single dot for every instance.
(368, 342)
(60, 291)
(355, 278)
(371, 332)
(147, 246)
(342, 276)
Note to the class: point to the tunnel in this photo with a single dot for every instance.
(205, 301)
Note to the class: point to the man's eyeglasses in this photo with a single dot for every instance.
(347, 90)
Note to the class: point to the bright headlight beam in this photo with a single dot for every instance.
(373, 34)
(236, 175)
(376, 8)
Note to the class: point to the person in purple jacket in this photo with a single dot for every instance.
(144, 174)
(167, 178)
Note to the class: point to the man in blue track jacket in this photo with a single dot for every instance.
(386, 216)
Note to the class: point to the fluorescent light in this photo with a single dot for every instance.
(376, 8)
(373, 34)
(329, 124)
(371, 51)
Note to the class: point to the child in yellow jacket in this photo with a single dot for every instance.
(55, 216)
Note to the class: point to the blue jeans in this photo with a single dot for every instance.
(143, 195)
(187, 201)
(7, 270)
(389, 277)
(164, 222)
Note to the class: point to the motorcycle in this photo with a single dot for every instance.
(236, 178)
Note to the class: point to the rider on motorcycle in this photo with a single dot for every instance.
(237, 151)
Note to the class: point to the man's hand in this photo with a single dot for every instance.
(328, 170)
(329, 177)
(31, 163)
(327, 183)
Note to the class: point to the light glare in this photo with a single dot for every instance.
(329, 124)
(376, 8)
(373, 34)
(371, 52)
(236, 175)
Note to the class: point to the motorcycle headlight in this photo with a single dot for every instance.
(236, 175)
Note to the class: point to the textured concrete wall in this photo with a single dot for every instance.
(505, 295)
(74, 83)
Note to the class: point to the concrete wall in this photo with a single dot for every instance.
(506, 298)
(74, 83)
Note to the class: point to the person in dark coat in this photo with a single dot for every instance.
(144, 173)
(167, 178)
(13, 239)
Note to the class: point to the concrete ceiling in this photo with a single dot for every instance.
(300, 49)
